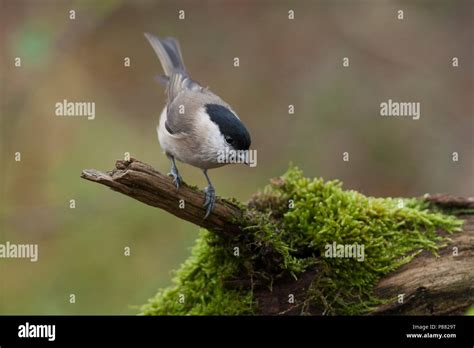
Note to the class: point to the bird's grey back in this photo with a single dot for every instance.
(184, 107)
(185, 96)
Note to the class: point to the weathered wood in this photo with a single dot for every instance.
(141, 182)
(447, 201)
(430, 285)
(434, 285)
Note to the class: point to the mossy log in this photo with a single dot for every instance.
(428, 284)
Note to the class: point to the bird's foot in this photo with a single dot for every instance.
(177, 179)
(210, 200)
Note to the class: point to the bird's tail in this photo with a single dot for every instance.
(169, 54)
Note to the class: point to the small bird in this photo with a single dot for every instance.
(196, 126)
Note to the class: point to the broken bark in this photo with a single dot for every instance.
(143, 183)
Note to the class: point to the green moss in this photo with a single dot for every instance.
(287, 229)
(199, 284)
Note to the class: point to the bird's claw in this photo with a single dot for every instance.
(177, 179)
(210, 200)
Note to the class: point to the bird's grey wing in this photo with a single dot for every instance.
(184, 109)
(180, 113)
(178, 83)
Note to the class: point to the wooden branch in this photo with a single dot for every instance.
(143, 183)
(450, 202)
(434, 285)
(429, 284)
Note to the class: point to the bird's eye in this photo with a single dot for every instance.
(229, 140)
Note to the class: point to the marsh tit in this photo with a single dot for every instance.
(196, 126)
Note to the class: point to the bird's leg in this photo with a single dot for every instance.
(177, 179)
(210, 196)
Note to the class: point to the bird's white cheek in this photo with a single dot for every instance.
(216, 143)
(210, 133)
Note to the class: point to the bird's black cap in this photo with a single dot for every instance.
(230, 126)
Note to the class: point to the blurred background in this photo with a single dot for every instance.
(282, 62)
